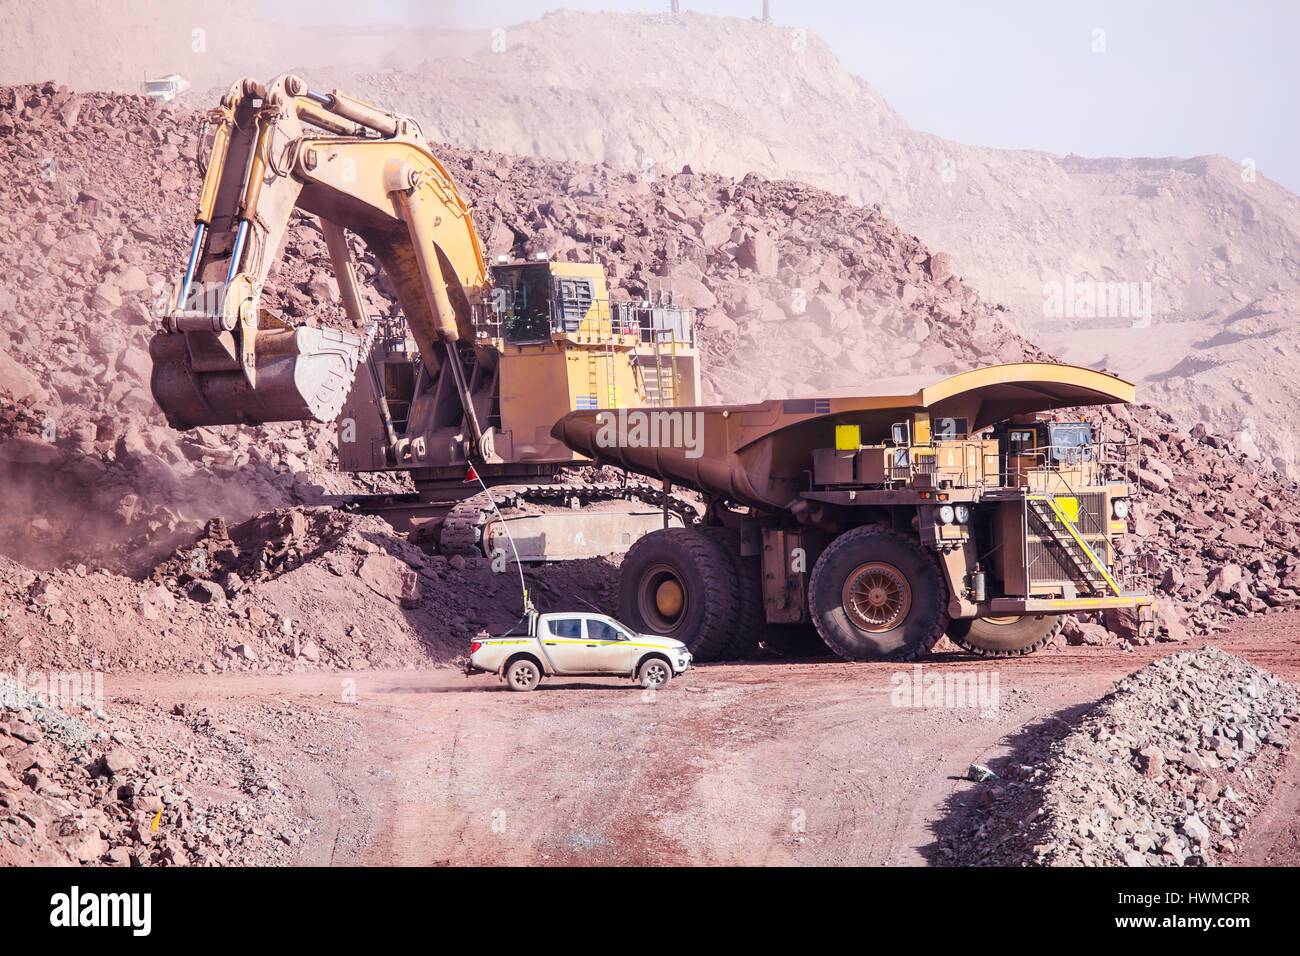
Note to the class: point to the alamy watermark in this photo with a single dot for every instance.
(928, 689)
(1087, 299)
(60, 690)
(651, 428)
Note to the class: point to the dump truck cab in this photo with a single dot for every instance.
(1021, 515)
(1041, 446)
(973, 506)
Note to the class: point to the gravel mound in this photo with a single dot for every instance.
(139, 788)
(1166, 770)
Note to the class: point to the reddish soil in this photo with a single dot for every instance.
(723, 767)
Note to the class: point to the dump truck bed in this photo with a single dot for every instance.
(759, 454)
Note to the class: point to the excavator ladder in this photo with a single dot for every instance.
(660, 377)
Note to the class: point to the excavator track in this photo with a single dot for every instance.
(465, 524)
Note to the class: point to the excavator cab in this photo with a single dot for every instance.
(535, 301)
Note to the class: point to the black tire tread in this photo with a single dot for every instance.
(718, 575)
(959, 638)
(749, 597)
(938, 598)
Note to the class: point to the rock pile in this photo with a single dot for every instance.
(285, 591)
(1215, 536)
(183, 789)
(1166, 770)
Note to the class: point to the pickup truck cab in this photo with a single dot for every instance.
(576, 644)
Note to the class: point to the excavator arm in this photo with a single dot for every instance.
(223, 359)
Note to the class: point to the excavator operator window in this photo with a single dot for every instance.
(527, 314)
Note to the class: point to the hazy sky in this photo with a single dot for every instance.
(1172, 79)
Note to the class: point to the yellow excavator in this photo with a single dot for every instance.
(475, 372)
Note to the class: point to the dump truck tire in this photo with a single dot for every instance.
(680, 583)
(877, 596)
(749, 597)
(1004, 637)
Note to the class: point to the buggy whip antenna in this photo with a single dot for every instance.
(523, 588)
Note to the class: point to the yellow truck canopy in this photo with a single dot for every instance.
(987, 395)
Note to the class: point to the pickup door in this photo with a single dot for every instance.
(609, 650)
(563, 641)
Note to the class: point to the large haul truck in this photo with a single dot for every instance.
(885, 517)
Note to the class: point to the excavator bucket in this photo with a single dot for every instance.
(302, 374)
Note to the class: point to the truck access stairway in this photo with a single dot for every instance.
(1050, 519)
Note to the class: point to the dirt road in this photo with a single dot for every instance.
(764, 763)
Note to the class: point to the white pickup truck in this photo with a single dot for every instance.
(576, 644)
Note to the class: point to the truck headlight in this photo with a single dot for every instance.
(1119, 508)
(946, 514)
(962, 513)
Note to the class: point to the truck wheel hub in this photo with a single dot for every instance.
(668, 598)
(663, 599)
(876, 596)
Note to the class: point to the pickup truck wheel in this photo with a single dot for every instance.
(1004, 636)
(523, 674)
(680, 583)
(876, 595)
(654, 674)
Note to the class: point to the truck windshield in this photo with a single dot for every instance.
(1070, 443)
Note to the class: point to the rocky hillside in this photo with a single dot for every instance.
(798, 290)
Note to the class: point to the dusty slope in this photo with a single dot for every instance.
(210, 42)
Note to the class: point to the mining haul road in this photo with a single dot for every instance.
(768, 762)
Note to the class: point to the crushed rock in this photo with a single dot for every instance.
(1166, 770)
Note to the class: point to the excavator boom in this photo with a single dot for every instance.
(474, 367)
(222, 358)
